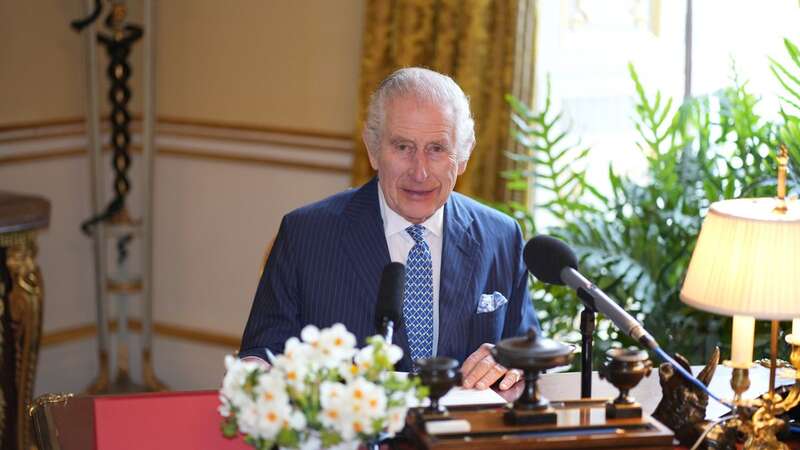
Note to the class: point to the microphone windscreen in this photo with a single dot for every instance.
(390, 294)
(546, 256)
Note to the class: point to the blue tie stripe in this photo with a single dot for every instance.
(418, 297)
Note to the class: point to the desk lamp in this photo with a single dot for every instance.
(746, 264)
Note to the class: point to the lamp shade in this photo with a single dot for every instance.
(747, 261)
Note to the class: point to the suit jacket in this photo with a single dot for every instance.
(327, 260)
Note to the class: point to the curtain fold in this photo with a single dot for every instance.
(486, 46)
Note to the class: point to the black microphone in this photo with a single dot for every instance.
(553, 262)
(389, 309)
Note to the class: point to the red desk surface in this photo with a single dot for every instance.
(180, 420)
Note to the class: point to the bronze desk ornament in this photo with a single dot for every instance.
(439, 374)
(625, 368)
(683, 406)
(532, 354)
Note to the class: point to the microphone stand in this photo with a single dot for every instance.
(387, 329)
(587, 334)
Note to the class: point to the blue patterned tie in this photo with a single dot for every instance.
(418, 298)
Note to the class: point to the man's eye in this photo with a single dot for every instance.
(403, 147)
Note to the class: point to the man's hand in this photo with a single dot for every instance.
(480, 371)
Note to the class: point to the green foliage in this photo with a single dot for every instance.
(636, 242)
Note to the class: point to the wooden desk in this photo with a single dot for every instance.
(190, 419)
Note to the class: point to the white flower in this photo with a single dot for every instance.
(271, 388)
(235, 379)
(297, 420)
(296, 353)
(366, 400)
(336, 344)
(293, 371)
(394, 353)
(310, 334)
(333, 401)
(396, 419)
(323, 363)
(224, 408)
(365, 358)
(349, 371)
(271, 418)
(248, 419)
(331, 393)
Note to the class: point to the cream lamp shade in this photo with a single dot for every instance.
(747, 260)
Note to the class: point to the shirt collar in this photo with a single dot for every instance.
(395, 223)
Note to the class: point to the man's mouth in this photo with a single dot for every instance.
(418, 193)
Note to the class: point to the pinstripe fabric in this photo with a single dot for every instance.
(327, 260)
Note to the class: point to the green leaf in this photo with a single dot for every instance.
(288, 438)
(330, 438)
(229, 428)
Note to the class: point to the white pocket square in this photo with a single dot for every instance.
(490, 302)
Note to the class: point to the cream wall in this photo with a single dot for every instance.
(244, 71)
(281, 63)
(41, 75)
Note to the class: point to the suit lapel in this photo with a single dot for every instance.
(460, 253)
(363, 239)
(364, 243)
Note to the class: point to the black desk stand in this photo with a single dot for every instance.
(587, 332)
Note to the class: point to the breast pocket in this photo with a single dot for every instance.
(487, 326)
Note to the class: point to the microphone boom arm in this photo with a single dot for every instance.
(604, 304)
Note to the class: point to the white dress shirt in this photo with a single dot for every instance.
(400, 243)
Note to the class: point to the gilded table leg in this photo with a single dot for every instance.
(25, 300)
(5, 282)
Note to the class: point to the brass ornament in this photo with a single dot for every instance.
(2, 394)
(683, 406)
(48, 399)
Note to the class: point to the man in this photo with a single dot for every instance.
(466, 284)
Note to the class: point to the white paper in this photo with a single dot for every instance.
(465, 397)
(447, 426)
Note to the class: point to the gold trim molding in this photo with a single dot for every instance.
(213, 135)
(174, 120)
(225, 157)
(195, 335)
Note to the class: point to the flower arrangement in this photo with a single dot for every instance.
(322, 392)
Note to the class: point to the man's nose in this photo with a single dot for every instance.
(419, 166)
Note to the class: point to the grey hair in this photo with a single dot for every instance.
(428, 86)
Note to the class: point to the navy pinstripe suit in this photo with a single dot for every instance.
(326, 264)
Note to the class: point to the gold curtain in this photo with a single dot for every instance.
(486, 46)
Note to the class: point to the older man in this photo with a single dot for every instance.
(466, 284)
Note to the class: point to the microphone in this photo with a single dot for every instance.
(553, 262)
(388, 310)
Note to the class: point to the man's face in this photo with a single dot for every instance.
(416, 159)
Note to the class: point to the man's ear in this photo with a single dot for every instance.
(373, 159)
(462, 166)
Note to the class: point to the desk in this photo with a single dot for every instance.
(189, 420)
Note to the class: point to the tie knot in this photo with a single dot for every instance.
(416, 232)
